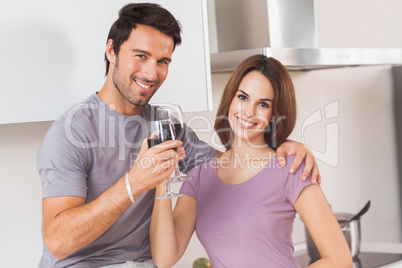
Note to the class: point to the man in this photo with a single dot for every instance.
(98, 174)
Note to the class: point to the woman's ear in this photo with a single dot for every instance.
(110, 52)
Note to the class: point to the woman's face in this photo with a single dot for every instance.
(251, 109)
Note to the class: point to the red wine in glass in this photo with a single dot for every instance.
(163, 130)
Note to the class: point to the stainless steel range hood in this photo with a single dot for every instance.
(285, 30)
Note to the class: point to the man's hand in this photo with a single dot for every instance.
(153, 165)
(301, 152)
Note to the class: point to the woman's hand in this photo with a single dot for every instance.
(302, 152)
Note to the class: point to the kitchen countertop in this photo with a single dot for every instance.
(372, 254)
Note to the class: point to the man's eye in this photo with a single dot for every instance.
(141, 56)
(163, 62)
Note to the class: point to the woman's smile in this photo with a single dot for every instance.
(245, 123)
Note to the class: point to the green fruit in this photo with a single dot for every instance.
(201, 263)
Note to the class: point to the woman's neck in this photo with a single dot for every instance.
(241, 163)
(242, 151)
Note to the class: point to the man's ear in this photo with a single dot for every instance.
(110, 52)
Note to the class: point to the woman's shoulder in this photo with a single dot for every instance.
(204, 167)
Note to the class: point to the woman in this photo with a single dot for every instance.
(242, 205)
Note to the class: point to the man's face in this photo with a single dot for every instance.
(142, 64)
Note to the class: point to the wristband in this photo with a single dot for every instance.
(130, 193)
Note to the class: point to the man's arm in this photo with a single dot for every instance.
(69, 224)
(301, 152)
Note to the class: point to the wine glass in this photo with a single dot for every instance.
(175, 114)
(163, 130)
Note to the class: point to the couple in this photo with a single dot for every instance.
(97, 204)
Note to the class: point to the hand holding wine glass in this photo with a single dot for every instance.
(152, 166)
(161, 131)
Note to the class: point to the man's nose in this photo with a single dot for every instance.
(150, 70)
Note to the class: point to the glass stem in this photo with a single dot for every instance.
(177, 171)
(168, 189)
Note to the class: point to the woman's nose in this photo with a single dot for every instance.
(249, 110)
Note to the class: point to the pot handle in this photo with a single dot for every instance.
(361, 212)
(345, 228)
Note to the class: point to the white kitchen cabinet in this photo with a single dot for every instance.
(53, 56)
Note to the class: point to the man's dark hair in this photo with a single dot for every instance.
(148, 14)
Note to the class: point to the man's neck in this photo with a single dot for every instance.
(115, 101)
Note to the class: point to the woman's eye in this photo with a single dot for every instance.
(242, 97)
(264, 105)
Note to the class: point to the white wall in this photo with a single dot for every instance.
(358, 23)
(20, 198)
(367, 167)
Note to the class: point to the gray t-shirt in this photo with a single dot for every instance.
(84, 153)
